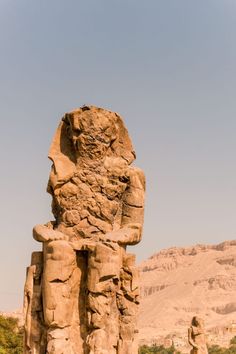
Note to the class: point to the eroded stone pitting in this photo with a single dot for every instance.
(82, 290)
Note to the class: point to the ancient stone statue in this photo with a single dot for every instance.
(34, 330)
(82, 290)
(197, 337)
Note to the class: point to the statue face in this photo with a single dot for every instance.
(197, 321)
(90, 133)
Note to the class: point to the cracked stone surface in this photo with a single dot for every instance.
(82, 290)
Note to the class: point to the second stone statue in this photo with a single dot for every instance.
(82, 290)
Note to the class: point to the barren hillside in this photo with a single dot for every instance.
(178, 283)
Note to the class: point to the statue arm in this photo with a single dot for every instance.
(44, 233)
(133, 211)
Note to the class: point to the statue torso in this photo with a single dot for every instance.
(90, 203)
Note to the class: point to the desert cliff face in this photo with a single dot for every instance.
(178, 283)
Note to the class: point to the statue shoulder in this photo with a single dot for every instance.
(137, 177)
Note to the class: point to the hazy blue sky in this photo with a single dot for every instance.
(167, 66)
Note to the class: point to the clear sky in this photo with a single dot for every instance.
(167, 66)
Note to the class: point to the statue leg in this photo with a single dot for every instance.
(128, 300)
(103, 283)
(62, 282)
